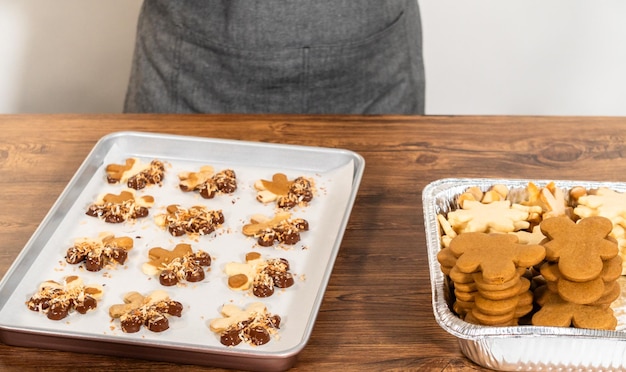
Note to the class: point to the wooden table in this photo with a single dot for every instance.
(377, 312)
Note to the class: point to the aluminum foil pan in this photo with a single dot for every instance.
(518, 348)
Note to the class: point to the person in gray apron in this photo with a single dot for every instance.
(278, 56)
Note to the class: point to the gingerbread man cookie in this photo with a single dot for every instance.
(58, 300)
(208, 184)
(258, 274)
(177, 265)
(577, 292)
(253, 325)
(117, 208)
(446, 260)
(607, 203)
(487, 276)
(195, 220)
(100, 252)
(496, 256)
(286, 193)
(557, 312)
(135, 174)
(280, 228)
(150, 311)
(495, 313)
(579, 248)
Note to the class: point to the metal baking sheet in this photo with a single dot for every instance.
(519, 348)
(337, 174)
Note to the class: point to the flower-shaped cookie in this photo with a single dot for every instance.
(555, 202)
(177, 265)
(497, 216)
(259, 274)
(603, 202)
(550, 198)
(280, 228)
(135, 174)
(150, 311)
(117, 208)
(494, 193)
(253, 325)
(100, 252)
(57, 300)
(286, 193)
(207, 183)
(195, 220)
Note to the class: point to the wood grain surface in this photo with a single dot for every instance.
(377, 312)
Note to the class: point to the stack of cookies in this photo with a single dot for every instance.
(488, 276)
(581, 271)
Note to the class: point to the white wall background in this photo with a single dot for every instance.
(526, 57)
(65, 55)
(535, 57)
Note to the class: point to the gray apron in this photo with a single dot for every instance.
(278, 56)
